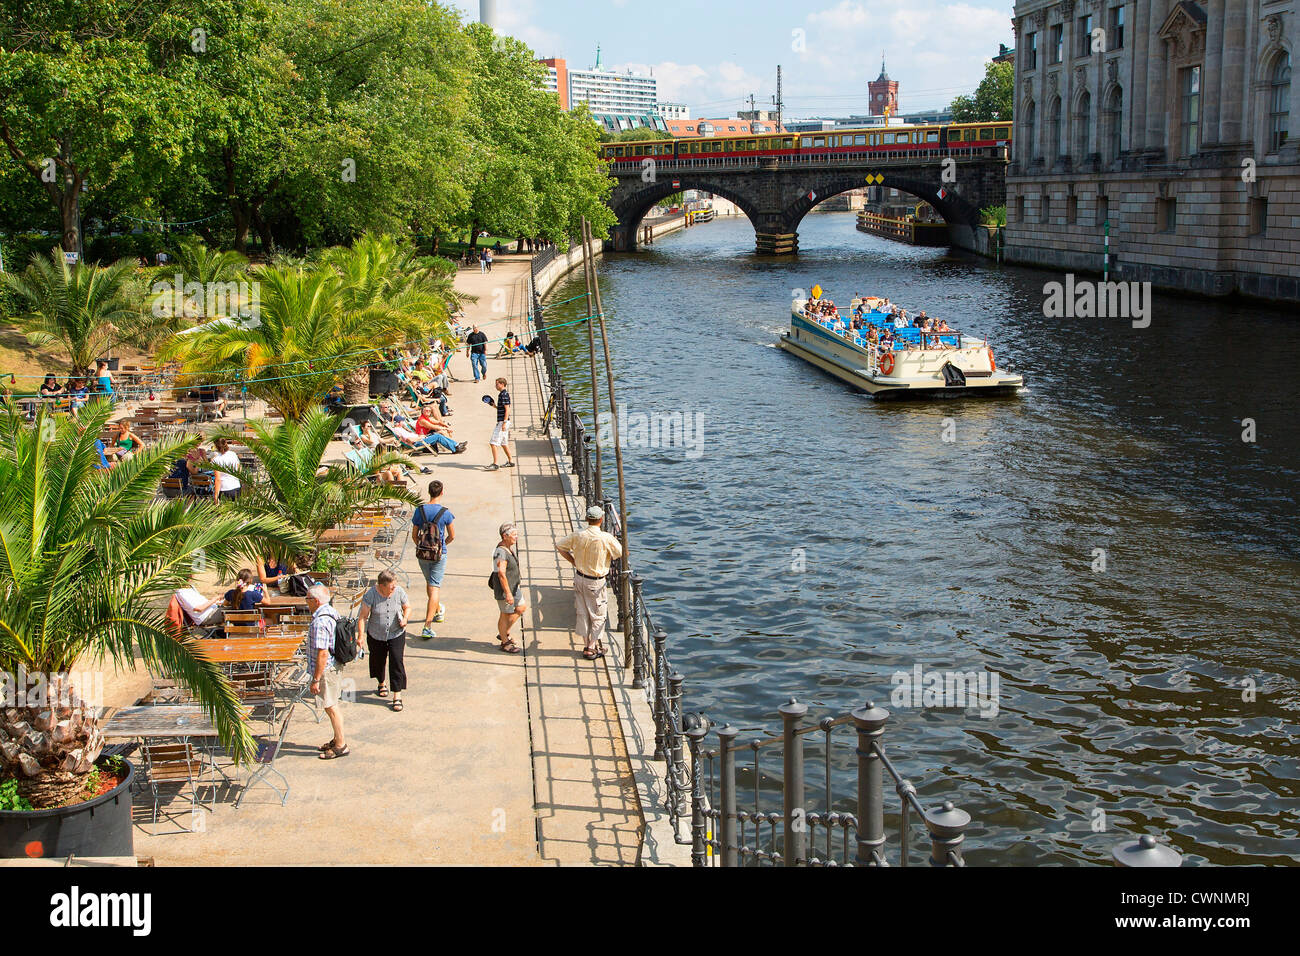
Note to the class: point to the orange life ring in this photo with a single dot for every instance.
(993, 365)
(887, 364)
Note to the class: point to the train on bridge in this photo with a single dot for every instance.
(907, 140)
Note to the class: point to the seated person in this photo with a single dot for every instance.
(942, 326)
(900, 320)
(412, 439)
(199, 611)
(927, 325)
(51, 388)
(393, 474)
(79, 393)
(246, 595)
(369, 437)
(920, 320)
(212, 399)
(128, 442)
(270, 570)
(887, 341)
(431, 421)
(180, 471)
(507, 346)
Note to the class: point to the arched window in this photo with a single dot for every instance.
(1115, 124)
(1054, 145)
(1279, 114)
(1083, 127)
(1030, 130)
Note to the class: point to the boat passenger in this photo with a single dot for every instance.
(942, 326)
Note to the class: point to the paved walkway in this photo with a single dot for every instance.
(496, 759)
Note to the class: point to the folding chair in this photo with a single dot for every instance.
(175, 763)
(268, 749)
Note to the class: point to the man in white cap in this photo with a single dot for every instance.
(590, 551)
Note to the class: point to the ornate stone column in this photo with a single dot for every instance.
(1232, 89)
(1213, 69)
(1157, 131)
(1135, 90)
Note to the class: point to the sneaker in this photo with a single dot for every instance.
(509, 464)
(461, 447)
(493, 467)
(441, 615)
(427, 634)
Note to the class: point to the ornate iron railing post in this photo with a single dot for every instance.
(589, 455)
(638, 634)
(1145, 851)
(870, 722)
(676, 755)
(796, 821)
(699, 822)
(657, 705)
(730, 850)
(947, 826)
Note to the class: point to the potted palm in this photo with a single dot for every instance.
(88, 559)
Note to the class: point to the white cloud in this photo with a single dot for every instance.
(706, 89)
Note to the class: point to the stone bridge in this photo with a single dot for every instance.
(777, 192)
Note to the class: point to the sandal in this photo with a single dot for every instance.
(333, 753)
(397, 705)
(325, 746)
(381, 691)
(591, 653)
(509, 647)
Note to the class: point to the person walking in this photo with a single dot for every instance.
(505, 586)
(433, 530)
(325, 681)
(488, 254)
(476, 349)
(482, 261)
(385, 609)
(501, 433)
(590, 551)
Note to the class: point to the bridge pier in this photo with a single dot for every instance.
(622, 238)
(776, 243)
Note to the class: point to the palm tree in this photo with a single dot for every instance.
(313, 331)
(81, 307)
(291, 486)
(88, 558)
(195, 263)
(381, 275)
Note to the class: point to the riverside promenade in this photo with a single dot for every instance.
(496, 759)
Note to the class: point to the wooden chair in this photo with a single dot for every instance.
(243, 630)
(175, 763)
(172, 487)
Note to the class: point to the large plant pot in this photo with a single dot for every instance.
(99, 827)
(383, 381)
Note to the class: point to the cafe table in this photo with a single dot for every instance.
(347, 536)
(159, 720)
(251, 650)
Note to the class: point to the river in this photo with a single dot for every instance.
(1108, 543)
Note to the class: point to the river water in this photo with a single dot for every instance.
(1106, 543)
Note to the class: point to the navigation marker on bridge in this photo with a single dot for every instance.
(811, 196)
(942, 193)
(677, 184)
(876, 178)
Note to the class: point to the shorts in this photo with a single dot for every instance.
(500, 434)
(506, 607)
(433, 570)
(331, 687)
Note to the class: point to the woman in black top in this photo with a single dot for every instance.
(51, 388)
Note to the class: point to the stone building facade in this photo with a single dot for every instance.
(1172, 121)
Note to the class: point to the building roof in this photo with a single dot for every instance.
(721, 127)
(883, 77)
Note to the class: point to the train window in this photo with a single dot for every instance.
(969, 136)
(932, 136)
(890, 138)
(860, 140)
(618, 150)
(753, 144)
(819, 141)
(874, 139)
(986, 132)
(1002, 132)
(805, 141)
(787, 143)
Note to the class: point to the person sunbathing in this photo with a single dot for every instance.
(414, 440)
(431, 421)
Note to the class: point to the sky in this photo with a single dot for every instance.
(712, 54)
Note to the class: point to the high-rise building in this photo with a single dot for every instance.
(674, 111)
(618, 101)
(1165, 124)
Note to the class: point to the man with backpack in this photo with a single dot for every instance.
(322, 637)
(432, 530)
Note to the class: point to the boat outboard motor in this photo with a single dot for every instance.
(953, 377)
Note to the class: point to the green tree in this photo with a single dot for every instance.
(83, 308)
(88, 558)
(993, 98)
(291, 486)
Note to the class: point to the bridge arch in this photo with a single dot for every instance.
(633, 208)
(955, 210)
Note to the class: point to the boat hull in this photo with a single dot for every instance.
(921, 378)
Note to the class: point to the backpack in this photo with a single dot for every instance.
(345, 640)
(428, 537)
(300, 584)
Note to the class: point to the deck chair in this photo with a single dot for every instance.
(175, 763)
(268, 749)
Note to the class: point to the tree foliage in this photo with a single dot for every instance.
(993, 98)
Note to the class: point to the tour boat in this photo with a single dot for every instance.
(950, 363)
